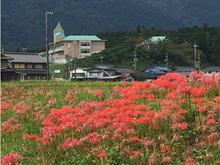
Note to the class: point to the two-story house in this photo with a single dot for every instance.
(7, 73)
(30, 65)
(73, 46)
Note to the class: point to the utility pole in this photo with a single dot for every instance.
(74, 57)
(166, 60)
(101, 59)
(198, 64)
(47, 13)
(195, 46)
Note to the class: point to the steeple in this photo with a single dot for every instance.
(58, 33)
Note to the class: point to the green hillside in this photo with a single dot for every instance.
(23, 21)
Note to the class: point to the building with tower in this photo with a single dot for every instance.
(73, 46)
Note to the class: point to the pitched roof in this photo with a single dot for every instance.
(81, 38)
(123, 70)
(4, 57)
(26, 57)
(183, 68)
(152, 70)
(157, 38)
(161, 68)
(211, 68)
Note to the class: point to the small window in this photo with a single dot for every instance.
(22, 66)
(29, 65)
(29, 77)
(16, 65)
(44, 77)
(39, 66)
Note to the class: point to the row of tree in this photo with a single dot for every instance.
(178, 47)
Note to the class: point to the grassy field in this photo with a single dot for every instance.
(172, 120)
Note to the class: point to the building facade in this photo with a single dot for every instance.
(73, 46)
(31, 66)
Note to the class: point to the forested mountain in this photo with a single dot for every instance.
(23, 21)
(190, 12)
(178, 46)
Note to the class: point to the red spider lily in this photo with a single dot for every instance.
(166, 159)
(151, 97)
(94, 140)
(180, 126)
(134, 139)
(117, 135)
(182, 111)
(198, 91)
(202, 109)
(136, 153)
(216, 108)
(27, 136)
(92, 134)
(154, 127)
(86, 149)
(189, 160)
(211, 121)
(103, 154)
(197, 100)
(11, 159)
(147, 143)
(166, 111)
(99, 93)
(166, 149)
(182, 101)
(68, 143)
(172, 95)
(144, 120)
(177, 117)
(150, 113)
(5, 106)
(217, 99)
(48, 121)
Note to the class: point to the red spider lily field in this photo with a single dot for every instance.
(171, 120)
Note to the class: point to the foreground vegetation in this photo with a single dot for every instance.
(172, 120)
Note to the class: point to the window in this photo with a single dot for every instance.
(39, 66)
(29, 77)
(29, 65)
(16, 65)
(85, 43)
(22, 66)
(85, 51)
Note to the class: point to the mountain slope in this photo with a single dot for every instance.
(190, 12)
(23, 20)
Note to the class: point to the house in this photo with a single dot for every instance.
(73, 46)
(125, 73)
(30, 65)
(211, 70)
(101, 73)
(155, 71)
(162, 68)
(109, 73)
(78, 74)
(183, 70)
(152, 41)
(152, 73)
(7, 73)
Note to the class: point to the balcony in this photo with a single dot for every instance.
(85, 47)
(85, 54)
(57, 49)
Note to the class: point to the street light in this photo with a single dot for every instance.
(47, 13)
